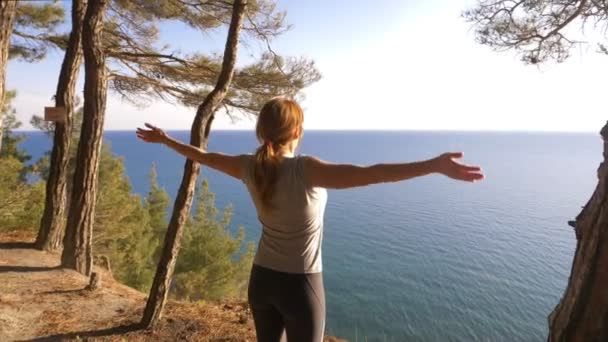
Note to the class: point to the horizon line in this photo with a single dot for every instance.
(364, 130)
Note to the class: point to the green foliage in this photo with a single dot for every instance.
(156, 205)
(34, 29)
(47, 127)
(118, 212)
(539, 30)
(212, 264)
(21, 202)
(143, 71)
(40, 16)
(122, 229)
(11, 140)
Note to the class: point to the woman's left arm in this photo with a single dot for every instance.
(228, 164)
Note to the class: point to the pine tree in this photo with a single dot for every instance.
(7, 15)
(157, 203)
(52, 224)
(77, 252)
(213, 264)
(198, 137)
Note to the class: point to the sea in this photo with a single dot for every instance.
(429, 259)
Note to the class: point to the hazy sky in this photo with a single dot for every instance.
(389, 64)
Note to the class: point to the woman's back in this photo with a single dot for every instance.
(292, 226)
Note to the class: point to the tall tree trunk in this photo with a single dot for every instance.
(77, 241)
(7, 17)
(582, 313)
(50, 234)
(199, 135)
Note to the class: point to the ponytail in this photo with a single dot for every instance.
(265, 173)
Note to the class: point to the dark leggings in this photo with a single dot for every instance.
(287, 303)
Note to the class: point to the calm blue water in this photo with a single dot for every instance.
(428, 259)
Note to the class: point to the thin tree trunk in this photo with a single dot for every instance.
(199, 135)
(50, 234)
(582, 313)
(77, 241)
(7, 17)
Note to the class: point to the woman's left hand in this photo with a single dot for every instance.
(448, 166)
(152, 135)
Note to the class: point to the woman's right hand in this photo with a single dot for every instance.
(448, 166)
(152, 135)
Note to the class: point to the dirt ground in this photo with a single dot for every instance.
(41, 302)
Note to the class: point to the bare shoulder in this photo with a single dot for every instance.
(312, 164)
(312, 161)
(243, 157)
(318, 172)
(232, 165)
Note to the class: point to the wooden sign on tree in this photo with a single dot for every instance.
(56, 114)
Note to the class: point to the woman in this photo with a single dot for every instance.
(286, 291)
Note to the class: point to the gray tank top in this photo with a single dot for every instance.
(292, 231)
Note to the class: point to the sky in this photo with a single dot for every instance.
(386, 65)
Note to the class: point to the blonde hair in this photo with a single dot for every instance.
(280, 121)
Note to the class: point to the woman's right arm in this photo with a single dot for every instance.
(342, 176)
(228, 164)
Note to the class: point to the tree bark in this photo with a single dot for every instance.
(50, 234)
(77, 241)
(94, 282)
(7, 17)
(582, 313)
(199, 135)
